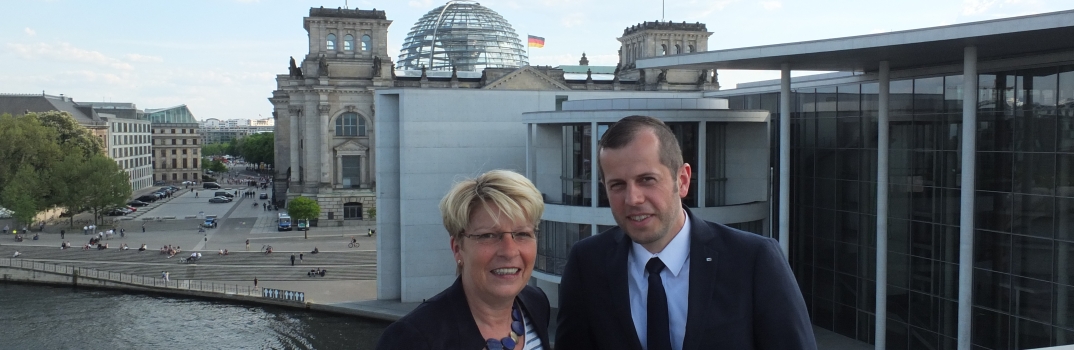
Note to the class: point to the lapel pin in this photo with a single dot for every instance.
(708, 259)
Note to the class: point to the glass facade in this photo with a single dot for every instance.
(1023, 214)
(462, 35)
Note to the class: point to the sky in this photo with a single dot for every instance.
(221, 57)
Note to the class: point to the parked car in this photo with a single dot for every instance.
(210, 185)
(137, 203)
(224, 194)
(219, 200)
(149, 198)
(116, 212)
(132, 209)
(264, 195)
(210, 221)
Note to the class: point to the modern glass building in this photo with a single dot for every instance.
(462, 35)
(926, 189)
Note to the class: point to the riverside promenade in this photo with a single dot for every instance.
(348, 287)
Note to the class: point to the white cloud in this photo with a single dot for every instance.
(772, 5)
(973, 7)
(704, 8)
(67, 53)
(29, 31)
(133, 57)
(573, 20)
(421, 4)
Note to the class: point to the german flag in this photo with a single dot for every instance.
(536, 41)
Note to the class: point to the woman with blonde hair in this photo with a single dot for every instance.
(492, 222)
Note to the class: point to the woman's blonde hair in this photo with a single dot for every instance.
(513, 193)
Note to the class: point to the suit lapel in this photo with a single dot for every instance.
(703, 279)
(619, 289)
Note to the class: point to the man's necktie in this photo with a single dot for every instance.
(659, 334)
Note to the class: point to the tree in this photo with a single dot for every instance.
(215, 149)
(70, 132)
(22, 195)
(258, 148)
(70, 186)
(214, 165)
(303, 208)
(24, 141)
(108, 185)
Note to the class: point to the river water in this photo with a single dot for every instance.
(45, 317)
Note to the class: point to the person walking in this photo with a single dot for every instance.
(292, 259)
(61, 234)
(300, 257)
(85, 230)
(247, 245)
(143, 227)
(255, 282)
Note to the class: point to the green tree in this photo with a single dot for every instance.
(258, 148)
(22, 195)
(108, 184)
(215, 149)
(24, 141)
(213, 165)
(70, 132)
(303, 208)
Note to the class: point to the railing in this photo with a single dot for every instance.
(137, 280)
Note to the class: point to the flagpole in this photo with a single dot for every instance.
(528, 50)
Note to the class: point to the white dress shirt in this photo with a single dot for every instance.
(676, 279)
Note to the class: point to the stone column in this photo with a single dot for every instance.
(310, 149)
(785, 159)
(883, 145)
(322, 145)
(295, 113)
(966, 224)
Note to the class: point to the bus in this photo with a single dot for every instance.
(283, 222)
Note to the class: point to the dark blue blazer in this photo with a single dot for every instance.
(742, 294)
(445, 322)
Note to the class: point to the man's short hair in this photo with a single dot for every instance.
(625, 130)
(513, 193)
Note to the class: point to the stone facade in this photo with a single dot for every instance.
(325, 119)
(652, 39)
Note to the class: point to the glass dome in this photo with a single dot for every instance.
(464, 35)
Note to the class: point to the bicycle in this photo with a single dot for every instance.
(353, 244)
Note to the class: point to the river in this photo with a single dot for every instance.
(46, 317)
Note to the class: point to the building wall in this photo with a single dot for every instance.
(130, 145)
(176, 152)
(426, 141)
(1022, 289)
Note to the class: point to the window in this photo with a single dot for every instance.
(348, 43)
(173, 152)
(184, 142)
(349, 124)
(678, 49)
(195, 142)
(185, 165)
(351, 176)
(174, 163)
(331, 42)
(663, 49)
(195, 162)
(173, 131)
(173, 141)
(367, 42)
(185, 176)
(352, 211)
(184, 151)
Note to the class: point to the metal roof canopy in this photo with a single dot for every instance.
(1000, 38)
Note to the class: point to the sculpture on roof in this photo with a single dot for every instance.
(376, 66)
(293, 70)
(322, 67)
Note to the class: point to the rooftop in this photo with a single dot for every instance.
(994, 39)
(340, 12)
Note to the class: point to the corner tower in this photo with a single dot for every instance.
(325, 117)
(652, 39)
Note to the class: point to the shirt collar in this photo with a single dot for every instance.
(674, 254)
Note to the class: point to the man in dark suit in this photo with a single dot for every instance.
(665, 279)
